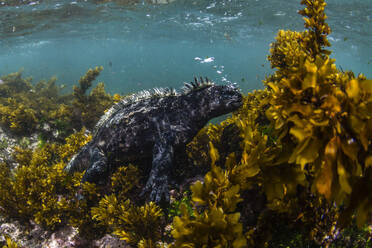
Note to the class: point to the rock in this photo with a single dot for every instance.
(108, 241)
(9, 141)
(66, 237)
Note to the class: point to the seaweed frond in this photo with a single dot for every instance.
(10, 243)
(131, 223)
(41, 108)
(213, 221)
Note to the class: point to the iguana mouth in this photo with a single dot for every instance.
(236, 101)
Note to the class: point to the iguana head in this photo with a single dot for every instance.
(223, 99)
(212, 100)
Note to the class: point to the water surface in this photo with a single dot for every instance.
(145, 45)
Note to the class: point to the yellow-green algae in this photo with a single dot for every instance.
(304, 142)
(38, 188)
(43, 108)
(10, 243)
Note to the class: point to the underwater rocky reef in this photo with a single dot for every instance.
(291, 168)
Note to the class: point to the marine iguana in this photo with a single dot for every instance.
(148, 127)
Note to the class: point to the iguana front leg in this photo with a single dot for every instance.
(98, 171)
(162, 156)
(157, 183)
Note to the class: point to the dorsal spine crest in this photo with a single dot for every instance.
(148, 94)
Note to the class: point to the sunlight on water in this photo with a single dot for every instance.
(147, 45)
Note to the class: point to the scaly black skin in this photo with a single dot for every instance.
(149, 131)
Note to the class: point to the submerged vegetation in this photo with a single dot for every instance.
(10, 243)
(291, 168)
(42, 108)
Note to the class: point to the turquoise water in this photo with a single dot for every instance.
(145, 45)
